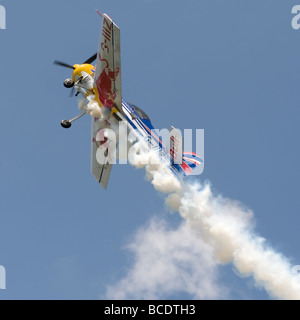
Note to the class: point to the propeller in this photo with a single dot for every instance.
(72, 93)
(63, 64)
(91, 59)
(67, 65)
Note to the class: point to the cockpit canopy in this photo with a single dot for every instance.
(140, 112)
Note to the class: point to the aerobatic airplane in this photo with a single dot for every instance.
(102, 85)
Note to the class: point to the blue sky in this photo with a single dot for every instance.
(228, 67)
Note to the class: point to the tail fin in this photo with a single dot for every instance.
(183, 162)
(175, 149)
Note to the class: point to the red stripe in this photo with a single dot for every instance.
(186, 168)
(192, 153)
(197, 163)
(153, 135)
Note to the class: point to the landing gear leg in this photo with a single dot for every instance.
(68, 123)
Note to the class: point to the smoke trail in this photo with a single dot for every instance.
(91, 107)
(226, 225)
(166, 262)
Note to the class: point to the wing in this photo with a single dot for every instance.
(102, 154)
(108, 84)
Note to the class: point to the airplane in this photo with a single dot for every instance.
(101, 84)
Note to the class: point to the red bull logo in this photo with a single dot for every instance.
(105, 84)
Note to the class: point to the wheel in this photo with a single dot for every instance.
(66, 124)
(69, 83)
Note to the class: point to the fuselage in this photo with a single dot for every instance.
(140, 122)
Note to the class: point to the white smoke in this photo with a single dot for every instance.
(91, 107)
(168, 261)
(227, 227)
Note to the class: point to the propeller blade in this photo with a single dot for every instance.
(91, 59)
(63, 64)
(72, 93)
